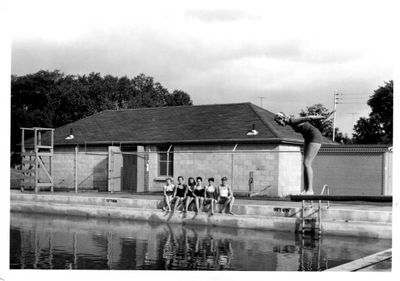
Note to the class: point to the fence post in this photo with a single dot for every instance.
(76, 169)
(251, 182)
(23, 141)
(385, 174)
(232, 163)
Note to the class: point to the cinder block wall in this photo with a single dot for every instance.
(155, 183)
(290, 170)
(272, 167)
(204, 161)
(92, 168)
(349, 173)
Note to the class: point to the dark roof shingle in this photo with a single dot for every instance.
(203, 123)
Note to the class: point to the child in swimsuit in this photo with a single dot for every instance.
(225, 195)
(199, 194)
(189, 193)
(168, 194)
(312, 142)
(211, 195)
(180, 192)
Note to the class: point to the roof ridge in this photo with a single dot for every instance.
(174, 106)
(266, 124)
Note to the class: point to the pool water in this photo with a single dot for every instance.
(53, 242)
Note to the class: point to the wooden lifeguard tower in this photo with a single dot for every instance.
(37, 159)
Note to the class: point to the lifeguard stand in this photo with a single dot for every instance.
(34, 155)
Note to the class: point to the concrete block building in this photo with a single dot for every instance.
(135, 150)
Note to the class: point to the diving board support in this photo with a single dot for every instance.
(32, 162)
(314, 222)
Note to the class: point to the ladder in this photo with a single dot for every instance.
(33, 162)
(310, 222)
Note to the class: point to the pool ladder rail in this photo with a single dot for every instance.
(310, 223)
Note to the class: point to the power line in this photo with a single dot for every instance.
(351, 103)
(355, 94)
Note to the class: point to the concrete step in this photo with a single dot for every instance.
(331, 214)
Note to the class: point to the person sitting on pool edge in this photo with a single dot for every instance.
(211, 195)
(225, 195)
(180, 193)
(168, 194)
(312, 142)
(199, 194)
(189, 193)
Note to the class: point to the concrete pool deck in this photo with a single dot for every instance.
(361, 220)
(381, 261)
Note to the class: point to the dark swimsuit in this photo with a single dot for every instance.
(199, 192)
(309, 132)
(189, 192)
(180, 192)
(212, 195)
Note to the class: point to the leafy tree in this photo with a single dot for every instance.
(342, 138)
(178, 97)
(324, 126)
(378, 127)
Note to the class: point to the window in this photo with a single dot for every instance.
(165, 160)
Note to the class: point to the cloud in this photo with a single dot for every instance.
(219, 15)
(294, 57)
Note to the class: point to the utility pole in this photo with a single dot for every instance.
(261, 100)
(335, 102)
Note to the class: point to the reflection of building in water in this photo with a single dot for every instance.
(92, 244)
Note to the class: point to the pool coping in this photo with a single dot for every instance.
(364, 262)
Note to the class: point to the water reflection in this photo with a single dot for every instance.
(45, 242)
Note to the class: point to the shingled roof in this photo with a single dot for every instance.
(179, 124)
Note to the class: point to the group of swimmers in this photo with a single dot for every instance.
(183, 194)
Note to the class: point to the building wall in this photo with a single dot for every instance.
(352, 173)
(347, 173)
(92, 168)
(290, 170)
(155, 183)
(219, 160)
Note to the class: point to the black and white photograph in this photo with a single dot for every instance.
(149, 136)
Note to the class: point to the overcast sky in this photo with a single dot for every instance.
(292, 53)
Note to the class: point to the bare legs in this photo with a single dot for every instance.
(178, 201)
(167, 202)
(212, 206)
(229, 202)
(188, 201)
(199, 203)
(310, 151)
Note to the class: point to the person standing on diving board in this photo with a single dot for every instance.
(312, 142)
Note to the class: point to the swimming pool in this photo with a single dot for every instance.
(55, 242)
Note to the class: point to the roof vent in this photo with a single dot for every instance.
(70, 136)
(252, 132)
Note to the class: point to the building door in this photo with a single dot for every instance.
(115, 164)
(129, 172)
